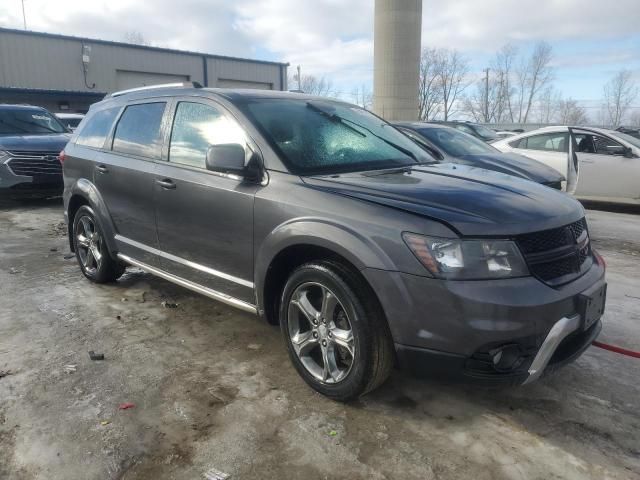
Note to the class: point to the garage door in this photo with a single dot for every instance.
(226, 83)
(129, 79)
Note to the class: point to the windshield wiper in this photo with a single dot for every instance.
(343, 121)
(335, 118)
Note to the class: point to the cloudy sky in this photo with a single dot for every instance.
(592, 39)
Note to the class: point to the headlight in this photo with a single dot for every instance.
(467, 259)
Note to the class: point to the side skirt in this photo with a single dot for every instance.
(221, 297)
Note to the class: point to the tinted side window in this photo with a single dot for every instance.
(197, 126)
(552, 142)
(138, 131)
(97, 128)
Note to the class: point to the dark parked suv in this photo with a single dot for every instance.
(324, 219)
(30, 141)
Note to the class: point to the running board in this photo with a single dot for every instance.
(221, 297)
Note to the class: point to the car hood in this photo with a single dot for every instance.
(514, 164)
(45, 143)
(471, 201)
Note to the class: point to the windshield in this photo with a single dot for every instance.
(19, 121)
(455, 143)
(323, 136)
(627, 138)
(485, 133)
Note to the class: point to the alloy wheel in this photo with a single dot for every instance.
(320, 332)
(89, 244)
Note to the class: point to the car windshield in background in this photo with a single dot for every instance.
(18, 121)
(320, 136)
(486, 133)
(455, 143)
(627, 138)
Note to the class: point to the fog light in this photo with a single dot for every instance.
(506, 358)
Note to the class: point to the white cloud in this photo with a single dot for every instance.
(333, 37)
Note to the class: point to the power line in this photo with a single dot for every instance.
(24, 16)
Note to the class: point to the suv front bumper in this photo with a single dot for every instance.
(453, 329)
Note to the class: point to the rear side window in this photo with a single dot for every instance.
(138, 131)
(97, 128)
(550, 142)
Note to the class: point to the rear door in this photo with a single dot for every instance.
(204, 218)
(553, 149)
(605, 171)
(124, 176)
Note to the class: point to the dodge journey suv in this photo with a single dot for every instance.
(323, 218)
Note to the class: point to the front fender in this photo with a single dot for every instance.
(89, 193)
(341, 239)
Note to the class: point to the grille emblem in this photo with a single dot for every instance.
(583, 240)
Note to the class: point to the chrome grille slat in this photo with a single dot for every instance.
(32, 163)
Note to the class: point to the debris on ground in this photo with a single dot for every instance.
(254, 346)
(333, 433)
(70, 368)
(126, 406)
(213, 474)
(96, 356)
(69, 255)
(13, 271)
(53, 249)
(166, 304)
(124, 299)
(5, 373)
(105, 423)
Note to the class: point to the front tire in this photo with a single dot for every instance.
(91, 249)
(336, 334)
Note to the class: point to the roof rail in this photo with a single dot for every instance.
(153, 87)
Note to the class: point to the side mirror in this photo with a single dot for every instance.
(226, 158)
(628, 152)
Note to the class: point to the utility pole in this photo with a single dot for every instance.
(486, 95)
(299, 79)
(24, 16)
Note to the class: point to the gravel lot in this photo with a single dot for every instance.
(213, 387)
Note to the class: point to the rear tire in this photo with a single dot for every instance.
(336, 334)
(91, 249)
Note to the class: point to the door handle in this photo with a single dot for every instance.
(166, 184)
(102, 169)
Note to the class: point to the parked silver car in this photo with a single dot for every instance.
(599, 164)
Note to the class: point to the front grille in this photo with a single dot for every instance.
(554, 256)
(34, 163)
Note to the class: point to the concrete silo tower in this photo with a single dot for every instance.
(396, 61)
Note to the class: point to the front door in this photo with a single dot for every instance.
(204, 219)
(605, 171)
(124, 175)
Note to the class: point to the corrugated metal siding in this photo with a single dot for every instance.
(35, 61)
(243, 71)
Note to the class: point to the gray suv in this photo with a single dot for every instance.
(323, 218)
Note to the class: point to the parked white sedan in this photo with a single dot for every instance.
(599, 164)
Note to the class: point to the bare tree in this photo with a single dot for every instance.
(137, 38)
(452, 75)
(619, 94)
(429, 90)
(634, 119)
(313, 85)
(362, 96)
(570, 113)
(503, 68)
(549, 103)
(532, 76)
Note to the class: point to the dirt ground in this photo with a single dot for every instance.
(213, 387)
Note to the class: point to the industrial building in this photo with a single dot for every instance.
(67, 74)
